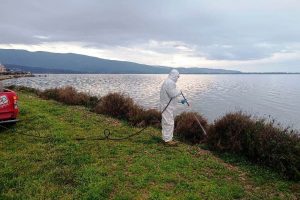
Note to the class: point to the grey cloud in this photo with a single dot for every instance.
(195, 23)
(239, 51)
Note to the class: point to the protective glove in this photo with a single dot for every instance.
(183, 101)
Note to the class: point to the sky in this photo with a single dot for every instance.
(256, 35)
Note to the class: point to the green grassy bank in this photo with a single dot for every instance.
(139, 168)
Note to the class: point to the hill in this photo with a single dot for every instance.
(46, 62)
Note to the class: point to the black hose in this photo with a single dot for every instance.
(167, 106)
(106, 132)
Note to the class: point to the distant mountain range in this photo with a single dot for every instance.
(46, 62)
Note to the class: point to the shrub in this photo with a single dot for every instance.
(23, 88)
(261, 141)
(135, 116)
(123, 107)
(50, 94)
(70, 96)
(152, 117)
(92, 102)
(141, 117)
(188, 129)
(278, 148)
(116, 105)
(227, 132)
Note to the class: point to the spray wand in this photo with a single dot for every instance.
(194, 115)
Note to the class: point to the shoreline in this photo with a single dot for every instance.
(11, 76)
(249, 136)
(139, 168)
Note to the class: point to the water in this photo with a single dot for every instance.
(277, 96)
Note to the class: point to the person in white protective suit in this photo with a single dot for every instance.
(168, 96)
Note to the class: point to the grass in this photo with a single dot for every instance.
(139, 168)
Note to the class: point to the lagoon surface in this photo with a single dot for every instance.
(272, 96)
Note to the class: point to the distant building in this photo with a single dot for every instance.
(2, 68)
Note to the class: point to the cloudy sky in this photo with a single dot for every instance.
(256, 35)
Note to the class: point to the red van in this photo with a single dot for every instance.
(8, 106)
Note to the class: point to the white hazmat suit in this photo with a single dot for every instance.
(168, 95)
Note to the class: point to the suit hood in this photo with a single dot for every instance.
(174, 75)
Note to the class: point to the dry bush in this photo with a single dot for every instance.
(23, 88)
(276, 147)
(260, 140)
(115, 105)
(123, 107)
(70, 96)
(93, 101)
(141, 117)
(135, 116)
(188, 129)
(152, 117)
(50, 94)
(227, 132)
